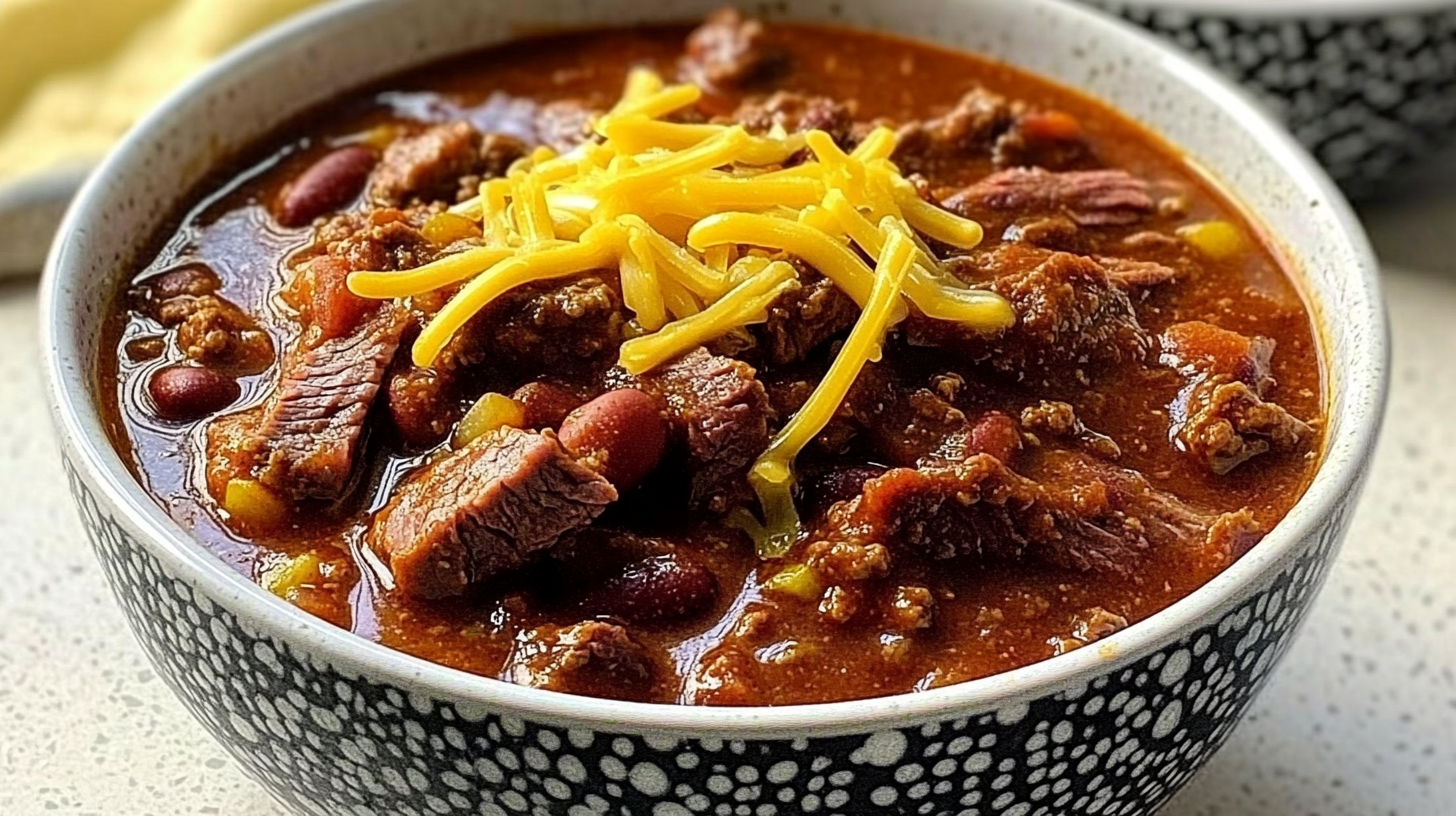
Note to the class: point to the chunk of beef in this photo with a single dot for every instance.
(215, 332)
(1088, 626)
(1059, 420)
(823, 488)
(307, 435)
(487, 508)
(721, 409)
(1057, 233)
(910, 608)
(905, 424)
(497, 152)
(1069, 314)
(554, 325)
(1076, 514)
(563, 124)
(1051, 139)
(909, 426)
(592, 658)
(210, 329)
(797, 113)
(1090, 198)
(1224, 423)
(376, 240)
(727, 51)
(560, 125)
(727, 676)
(802, 320)
(427, 166)
(1053, 232)
(1221, 417)
(570, 328)
(1197, 348)
(1133, 274)
(969, 129)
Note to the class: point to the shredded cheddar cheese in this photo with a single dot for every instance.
(772, 476)
(697, 219)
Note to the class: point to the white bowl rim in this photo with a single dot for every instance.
(1301, 10)
(1337, 479)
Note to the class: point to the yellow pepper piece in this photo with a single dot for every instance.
(798, 580)
(489, 413)
(446, 228)
(1216, 239)
(285, 578)
(253, 506)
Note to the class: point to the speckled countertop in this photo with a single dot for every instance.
(1359, 719)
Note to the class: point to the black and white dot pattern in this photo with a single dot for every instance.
(1365, 94)
(330, 742)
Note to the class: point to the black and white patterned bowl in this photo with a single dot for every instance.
(333, 725)
(1368, 86)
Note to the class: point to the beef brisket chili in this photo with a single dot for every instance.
(739, 365)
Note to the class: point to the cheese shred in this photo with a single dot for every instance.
(772, 475)
(698, 220)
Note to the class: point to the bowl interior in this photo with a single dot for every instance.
(337, 48)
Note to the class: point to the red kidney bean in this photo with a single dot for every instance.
(840, 484)
(654, 590)
(328, 184)
(546, 405)
(624, 429)
(422, 405)
(192, 280)
(184, 393)
(996, 434)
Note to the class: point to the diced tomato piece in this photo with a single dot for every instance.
(1051, 126)
(333, 308)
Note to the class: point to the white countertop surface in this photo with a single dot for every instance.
(1360, 719)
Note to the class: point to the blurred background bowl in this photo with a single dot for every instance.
(1369, 86)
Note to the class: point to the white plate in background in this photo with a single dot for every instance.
(30, 208)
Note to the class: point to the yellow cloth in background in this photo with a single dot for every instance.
(75, 74)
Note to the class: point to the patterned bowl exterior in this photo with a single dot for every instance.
(1367, 94)
(336, 726)
(329, 742)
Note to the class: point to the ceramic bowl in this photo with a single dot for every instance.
(1368, 86)
(331, 724)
